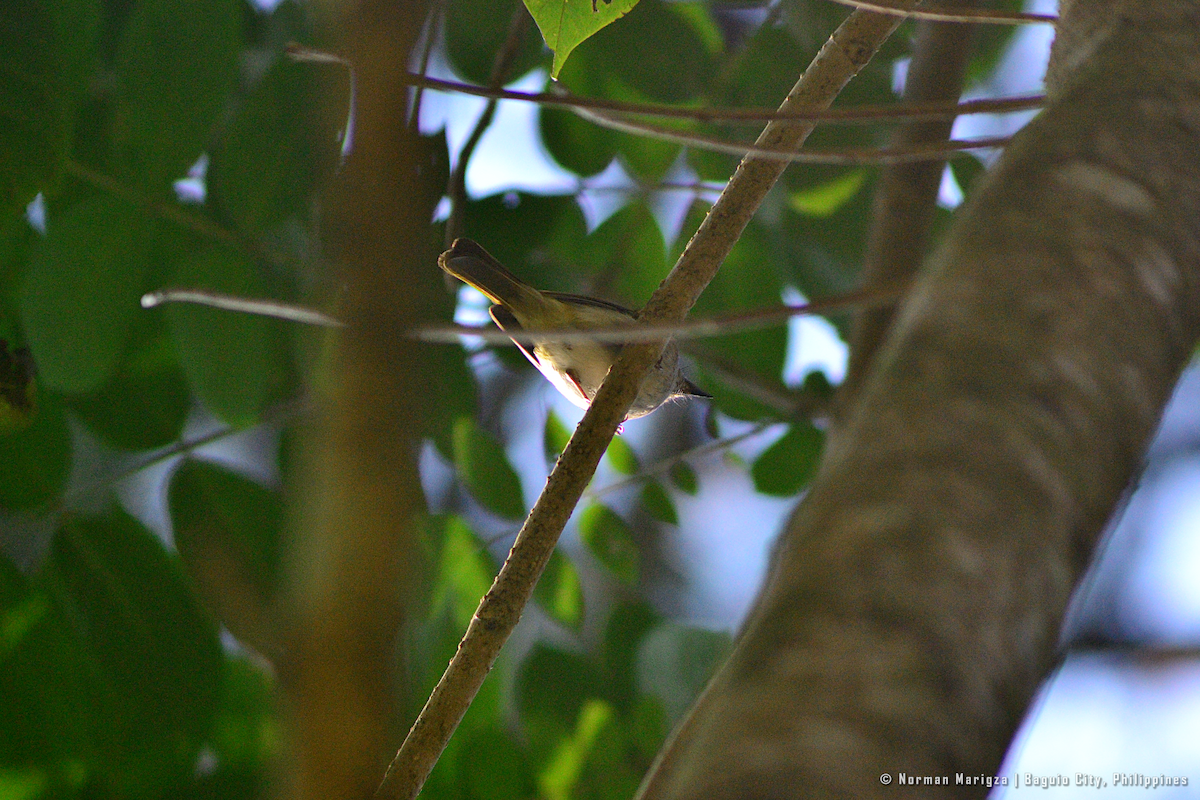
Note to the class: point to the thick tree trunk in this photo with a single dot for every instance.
(915, 600)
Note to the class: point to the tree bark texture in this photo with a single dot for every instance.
(357, 514)
(914, 602)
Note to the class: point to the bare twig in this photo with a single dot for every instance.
(891, 155)
(984, 15)
(854, 115)
(181, 216)
(246, 305)
(451, 334)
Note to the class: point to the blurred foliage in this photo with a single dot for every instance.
(113, 678)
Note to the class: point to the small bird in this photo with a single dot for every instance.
(575, 368)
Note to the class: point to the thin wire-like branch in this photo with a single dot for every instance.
(276, 309)
(984, 15)
(181, 216)
(451, 334)
(854, 115)
(276, 414)
(846, 52)
(848, 157)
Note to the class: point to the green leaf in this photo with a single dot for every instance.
(37, 94)
(683, 476)
(658, 503)
(823, 200)
(145, 402)
(464, 572)
(555, 436)
(536, 237)
(566, 23)
(742, 284)
(47, 688)
(675, 661)
(176, 64)
(82, 290)
(559, 591)
(233, 361)
(246, 734)
(264, 168)
(37, 459)
(156, 651)
(788, 465)
(475, 32)
(552, 686)
(484, 468)
(494, 767)
(622, 458)
(227, 532)
(628, 623)
(967, 170)
(453, 395)
(628, 245)
(559, 778)
(610, 540)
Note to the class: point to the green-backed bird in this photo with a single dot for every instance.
(576, 368)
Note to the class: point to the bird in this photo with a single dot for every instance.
(576, 368)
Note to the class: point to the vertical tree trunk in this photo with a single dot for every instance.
(914, 603)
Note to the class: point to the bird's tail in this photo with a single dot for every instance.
(474, 266)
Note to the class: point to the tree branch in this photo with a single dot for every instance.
(847, 51)
(914, 602)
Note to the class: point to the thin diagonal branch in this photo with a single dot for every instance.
(847, 51)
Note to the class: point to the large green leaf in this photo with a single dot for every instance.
(484, 468)
(551, 687)
(476, 30)
(494, 767)
(744, 283)
(566, 23)
(227, 532)
(658, 503)
(52, 721)
(559, 591)
(234, 361)
(145, 402)
(264, 168)
(156, 651)
(621, 457)
(628, 623)
(82, 290)
(627, 251)
(610, 540)
(176, 64)
(47, 55)
(535, 237)
(788, 465)
(464, 572)
(37, 459)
